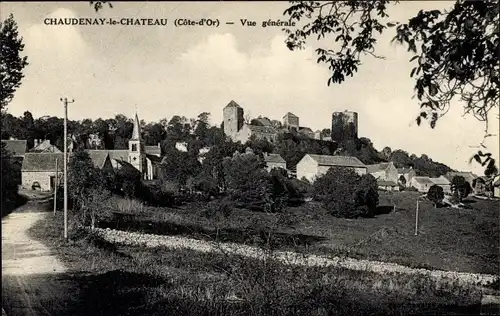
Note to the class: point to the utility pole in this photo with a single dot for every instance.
(65, 101)
(416, 218)
(57, 186)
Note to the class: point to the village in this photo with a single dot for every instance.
(40, 165)
(237, 159)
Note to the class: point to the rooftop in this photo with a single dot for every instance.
(377, 167)
(423, 180)
(276, 158)
(345, 161)
(16, 147)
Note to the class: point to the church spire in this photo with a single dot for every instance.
(136, 133)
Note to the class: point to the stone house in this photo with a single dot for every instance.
(443, 183)
(496, 187)
(407, 174)
(313, 166)
(39, 170)
(422, 184)
(39, 167)
(386, 175)
(274, 161)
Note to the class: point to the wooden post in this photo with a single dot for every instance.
(57, 186)
(416, 220)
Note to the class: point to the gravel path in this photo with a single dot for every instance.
(149, 240)
(29, 283)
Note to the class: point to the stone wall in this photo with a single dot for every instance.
(42, 177)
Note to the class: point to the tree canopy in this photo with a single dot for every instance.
(11, 61)
(455, 50)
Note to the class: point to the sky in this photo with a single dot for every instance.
(161, 71)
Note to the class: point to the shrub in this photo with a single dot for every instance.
(218, 207)
(248, 182)
(156, 195)
(346, 194)
(435, 194)
(461, 186)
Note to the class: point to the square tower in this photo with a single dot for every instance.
(233, 119)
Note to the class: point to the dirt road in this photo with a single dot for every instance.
(33, 280)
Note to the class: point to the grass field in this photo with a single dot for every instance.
(464, 240)
(138, 281)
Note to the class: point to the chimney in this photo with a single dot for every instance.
(159, 145)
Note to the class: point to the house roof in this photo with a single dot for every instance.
(423, 180)
(117, 154)
(154, 158)
(344, 161)
(42, 162)
(98, 157)
(440, 181)
(276, 158)
(290, 114)
(262, 129)
(303, 129)
(152, 150)
(16, 147)
(404, 170)
(45, 147)
(232, 104)
(386, 183)
(264, 121)
(377, 167)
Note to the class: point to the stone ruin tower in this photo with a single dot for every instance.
(233, 119)
(344, 127)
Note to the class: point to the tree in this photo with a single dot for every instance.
(460, 187)
(456, 51)
(8, 181)
(12, 64)
(435, 194)
(98, 5)
(86, 185)
(248, 182)
(344, 193)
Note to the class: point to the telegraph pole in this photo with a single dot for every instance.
(57, 185)
(65, 101)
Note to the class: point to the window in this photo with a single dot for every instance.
(134, 147)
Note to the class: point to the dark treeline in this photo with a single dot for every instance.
(114, 133)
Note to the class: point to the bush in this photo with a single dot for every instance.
(156, 195)
(461, 186)
(218, 207)
(248, 183)
(346, 194)
(435, 194)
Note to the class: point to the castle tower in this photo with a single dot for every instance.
(136, 153)
(344, 126)
(291, 121)
(233, 119)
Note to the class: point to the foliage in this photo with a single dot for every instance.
(435, 194)
(86, 187)
(179, 166)
(248, 182)
(353, 25)
(344, 193)
(456, 51)
(12, 64)
(9, 178)
(460, 187)
(98, 5)
(128, 181)
(457, 57)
